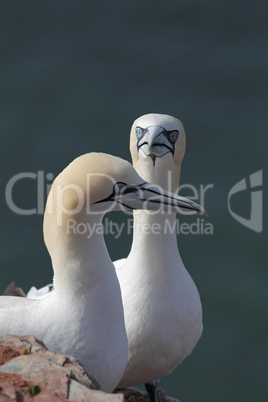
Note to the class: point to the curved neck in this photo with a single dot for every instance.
(81, 259)
(153, 232)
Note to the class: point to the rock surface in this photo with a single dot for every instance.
(133, 394)
(30, 372)
(13, 290)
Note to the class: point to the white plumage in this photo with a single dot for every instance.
(83, 316)
(162, 307)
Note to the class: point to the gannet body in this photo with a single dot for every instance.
(162, 307)
(83, 315)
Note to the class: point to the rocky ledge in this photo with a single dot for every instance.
(30, 372)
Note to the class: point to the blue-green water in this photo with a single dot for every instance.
(74, 76)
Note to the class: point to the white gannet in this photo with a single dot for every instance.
(162, 307)
(83, 315)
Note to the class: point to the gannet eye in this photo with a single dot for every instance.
(173, 136)
(138, 132)
(119, 187)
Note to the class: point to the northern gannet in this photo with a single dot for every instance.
(162, 307)
(83, 315)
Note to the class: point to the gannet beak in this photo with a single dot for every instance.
(156, 138)
(157, 141)
(152, 137)
(173, 202)
(151, 197)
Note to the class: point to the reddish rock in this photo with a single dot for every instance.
(30, 372)
(38, 370)
(10, 382)
(27, 365)
(7, 353)
(30, 344)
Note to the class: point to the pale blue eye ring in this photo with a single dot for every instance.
(138, 132)
(118, 187)
(173, 136)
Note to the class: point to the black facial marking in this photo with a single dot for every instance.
(129, 189)
(125, 190)
(115, 192)
(172, 137)
(140, 141)
(153, 157)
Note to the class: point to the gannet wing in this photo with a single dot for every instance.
(7, 302)
(35, 293)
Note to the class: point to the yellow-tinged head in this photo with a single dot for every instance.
(86, 186)
(94, 184)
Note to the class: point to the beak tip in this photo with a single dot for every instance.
(202, 211)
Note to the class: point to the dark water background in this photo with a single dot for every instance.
(74, 76)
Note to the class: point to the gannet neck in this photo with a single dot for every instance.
(82, 258)
(164, 173)
(155, 232)
(69, 219)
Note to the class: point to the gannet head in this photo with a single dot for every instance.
(96, 183)
(157, 146)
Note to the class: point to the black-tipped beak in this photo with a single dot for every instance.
(151, 197)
